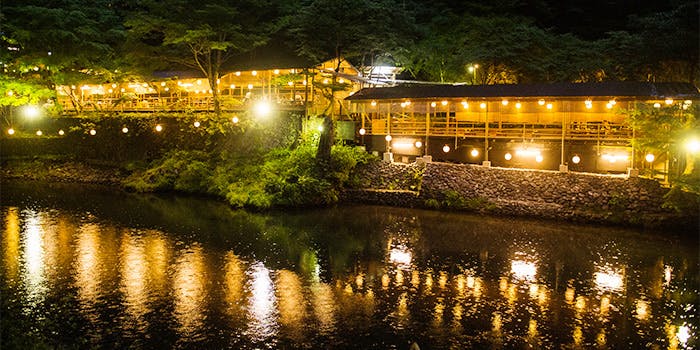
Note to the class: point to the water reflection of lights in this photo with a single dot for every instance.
(400, 256)
(360, 280)
(532, 328)
(580, 303)
(604, 305)
(569, 294)
(601, 338)
(88, 267)
(234, 280)
(133, 270)
(415, 279)
(261, 304)
(11, 244)
(439, 311)
(534, 290)
(291, 300)
(385, 281)
(34, 256)
(683, 334)
(523, 270)
(577, 335)
(428, 281)
(324, 306)
(158, 254)
(190, 291)
(608, 280)
(642, 309)
(399, 277)
(496, 322)
(402, 312)
(668, 270)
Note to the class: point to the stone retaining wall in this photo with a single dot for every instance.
(532, 193)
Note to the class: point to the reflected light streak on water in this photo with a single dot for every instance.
(88, 276)
(401, 256)
(523, 270)
(292, 308)
(261, 303)
(158, 256)
(668, 270)
(324, 306)
(34, 257)
(190, 293)
(608, 280)
(234, 282)
(134, 269)
(11, 253)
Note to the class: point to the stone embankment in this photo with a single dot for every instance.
(516, 192)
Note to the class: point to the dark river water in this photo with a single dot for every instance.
(87, 267)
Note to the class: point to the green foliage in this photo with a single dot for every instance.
(280, 177)
(665, 130)
(682, 201)
(177, 170)
(350, 29)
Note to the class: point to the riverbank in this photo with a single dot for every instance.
(575, 197)
(552, 195)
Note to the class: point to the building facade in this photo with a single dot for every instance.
(582, 126)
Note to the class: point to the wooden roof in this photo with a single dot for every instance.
(620, 89)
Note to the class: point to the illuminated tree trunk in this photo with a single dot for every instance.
(325, 142)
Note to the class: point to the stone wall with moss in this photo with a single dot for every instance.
(531, 193)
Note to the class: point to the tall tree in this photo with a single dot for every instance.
(61, 42)
(202, 35)
(353, 30)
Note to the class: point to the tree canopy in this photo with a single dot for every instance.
(511, 40)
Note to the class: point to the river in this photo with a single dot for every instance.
(89, 267)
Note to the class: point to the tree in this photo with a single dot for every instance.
(666, 130)
(60, 43)
(672, 42)
(202, 35)
(353, 30)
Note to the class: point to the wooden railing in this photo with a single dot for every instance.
(503, 130)
(168, 104)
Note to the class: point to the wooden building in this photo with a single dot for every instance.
(578, 125)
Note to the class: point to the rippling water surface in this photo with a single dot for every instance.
(86, 267)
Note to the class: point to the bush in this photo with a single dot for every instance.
(281, 177)
(179, 170)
